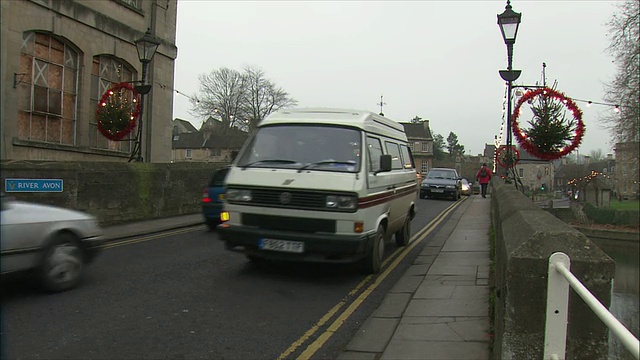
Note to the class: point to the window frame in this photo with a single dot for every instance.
(373, 160)
(49, 88)
(398, 158)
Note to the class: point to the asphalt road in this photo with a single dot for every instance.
(180, 295)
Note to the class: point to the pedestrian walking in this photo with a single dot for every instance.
(483, 176)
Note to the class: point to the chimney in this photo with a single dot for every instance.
(207, 131)
(425, 124)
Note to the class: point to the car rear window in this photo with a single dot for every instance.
(218, 177)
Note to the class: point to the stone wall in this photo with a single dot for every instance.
(525, 237)
(117, 192)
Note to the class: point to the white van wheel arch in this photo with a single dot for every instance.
(372, 262)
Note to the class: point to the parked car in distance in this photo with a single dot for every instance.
(441, 183)
(465, 187)
(53, 243)
(213, 198)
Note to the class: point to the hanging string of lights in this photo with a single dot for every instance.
(162, 86)
(498, 139)
(588, 178)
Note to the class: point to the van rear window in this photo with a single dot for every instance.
(218, 177)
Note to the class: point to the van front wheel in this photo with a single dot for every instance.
(404, 234)
(372, 263)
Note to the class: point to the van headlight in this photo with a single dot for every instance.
(341, 202)
(450, 186)
(238, 195)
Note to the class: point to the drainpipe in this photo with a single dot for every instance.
(150, 104)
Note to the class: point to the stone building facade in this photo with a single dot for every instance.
(59, 57)
(627, 175)
(421, 144)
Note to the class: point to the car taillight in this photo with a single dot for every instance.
(205, 196)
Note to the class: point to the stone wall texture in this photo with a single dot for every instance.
(117, 192)
(525, 237)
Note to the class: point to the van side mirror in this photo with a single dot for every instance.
(385, 163)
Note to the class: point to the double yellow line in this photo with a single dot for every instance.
(395, 258)
(136, 240)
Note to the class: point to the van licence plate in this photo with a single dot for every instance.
(281, 245)
(437, 190)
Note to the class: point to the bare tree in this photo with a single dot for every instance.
(221, 95)
(239, 100)
(596, 155)
(624, 89)
(262, 97)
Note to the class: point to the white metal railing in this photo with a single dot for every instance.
(555, 338)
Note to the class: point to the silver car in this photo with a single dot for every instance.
(53, 242)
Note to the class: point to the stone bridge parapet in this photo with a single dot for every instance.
(525, 238)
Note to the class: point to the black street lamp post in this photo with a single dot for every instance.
(146, 46)
(509, 21)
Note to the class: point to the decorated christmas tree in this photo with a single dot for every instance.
(550, 130)
(117, 111)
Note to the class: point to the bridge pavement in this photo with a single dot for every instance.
(439, 309)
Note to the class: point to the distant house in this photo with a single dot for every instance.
(535, 173)
(182, 126)
(421, 144)
(212, 143)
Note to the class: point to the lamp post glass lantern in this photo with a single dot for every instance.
(146, 46)
(509, 21)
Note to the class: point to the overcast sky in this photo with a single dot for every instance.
(438, 60)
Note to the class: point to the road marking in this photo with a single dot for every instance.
(395, 259)
(150, 237)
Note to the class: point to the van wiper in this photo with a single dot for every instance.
(326, 162)
(273, 161)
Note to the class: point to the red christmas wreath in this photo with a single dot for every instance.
(532, 140)
(501, 156)
(117, 111)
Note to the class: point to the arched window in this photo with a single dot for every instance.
(106, 71)
(48, 87)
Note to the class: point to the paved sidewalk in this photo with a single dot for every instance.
(439, 309)
(146, 227)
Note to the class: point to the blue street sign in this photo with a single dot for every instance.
(33, 185)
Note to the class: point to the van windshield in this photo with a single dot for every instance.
(304, 147)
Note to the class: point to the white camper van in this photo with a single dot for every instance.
(329, 185)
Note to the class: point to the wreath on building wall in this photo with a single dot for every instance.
(117, 111)
(550, 135)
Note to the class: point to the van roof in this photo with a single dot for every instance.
(363, 119)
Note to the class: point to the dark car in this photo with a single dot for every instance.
(442, 183)
(213, 198)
